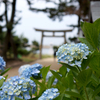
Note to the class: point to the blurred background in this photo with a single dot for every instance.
(19, 42)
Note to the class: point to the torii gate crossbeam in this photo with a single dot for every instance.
(53, 31)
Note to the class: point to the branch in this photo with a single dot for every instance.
(52, 2)
(13, 12)
(1, 17)
(29, 2)
(38, 10)
(6, 11)
(17, 22)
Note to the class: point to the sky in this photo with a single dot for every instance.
(31, 20)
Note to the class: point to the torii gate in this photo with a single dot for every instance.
(53, 31)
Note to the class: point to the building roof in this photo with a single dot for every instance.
(95, 10)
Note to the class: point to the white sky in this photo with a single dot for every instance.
(31, 20)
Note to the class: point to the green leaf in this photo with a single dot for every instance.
(83, 40)
(37, 82)
(50, 81)
(97, 98)
(60, 86)
(86, 93)
(70, 67)
(95, 80)
(41, 86)
(75, 74)
(62, 97)
(99, 42)
(1, 82)
(90, 35)
(63, 70)
(91, 32)
(82, 23)
(95, 63)
(84, 77)
(56, 74)
(16, 98)
(44, 72)
(5, 71)
(96, 91)
(74, 94)
(63, 80)
(85, 62)
(70, 80)
(6, 77)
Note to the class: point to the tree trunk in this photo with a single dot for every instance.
(9, 37)
(5, 48)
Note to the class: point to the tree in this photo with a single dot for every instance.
(35, 46)
(78, 7)
(10, 24)
(21, 43)
(9, 27)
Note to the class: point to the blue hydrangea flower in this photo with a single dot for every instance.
(72, 54)
(49, 74)
(17, 86)
(2, 95)
(22, 68)
(49, 94)
(31, 71)
(2, 64)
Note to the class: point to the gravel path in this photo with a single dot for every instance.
(45, 62)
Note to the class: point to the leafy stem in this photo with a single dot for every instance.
(86, 93)
(78, 68)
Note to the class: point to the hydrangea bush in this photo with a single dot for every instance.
(17, 87)
(2, 64)
(30, 71)
(22, 68)
(49, 94)
(78, 78)
(72, 54)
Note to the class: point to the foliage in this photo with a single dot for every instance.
(73, 39)
(23, 51)
(10, 20)
(35, 46)
(65, 7)
(55, 48)
(77, 82)
(21, 43)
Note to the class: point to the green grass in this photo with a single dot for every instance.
(27, 60)
(32, 57)
(47, 56)
(43, 56)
